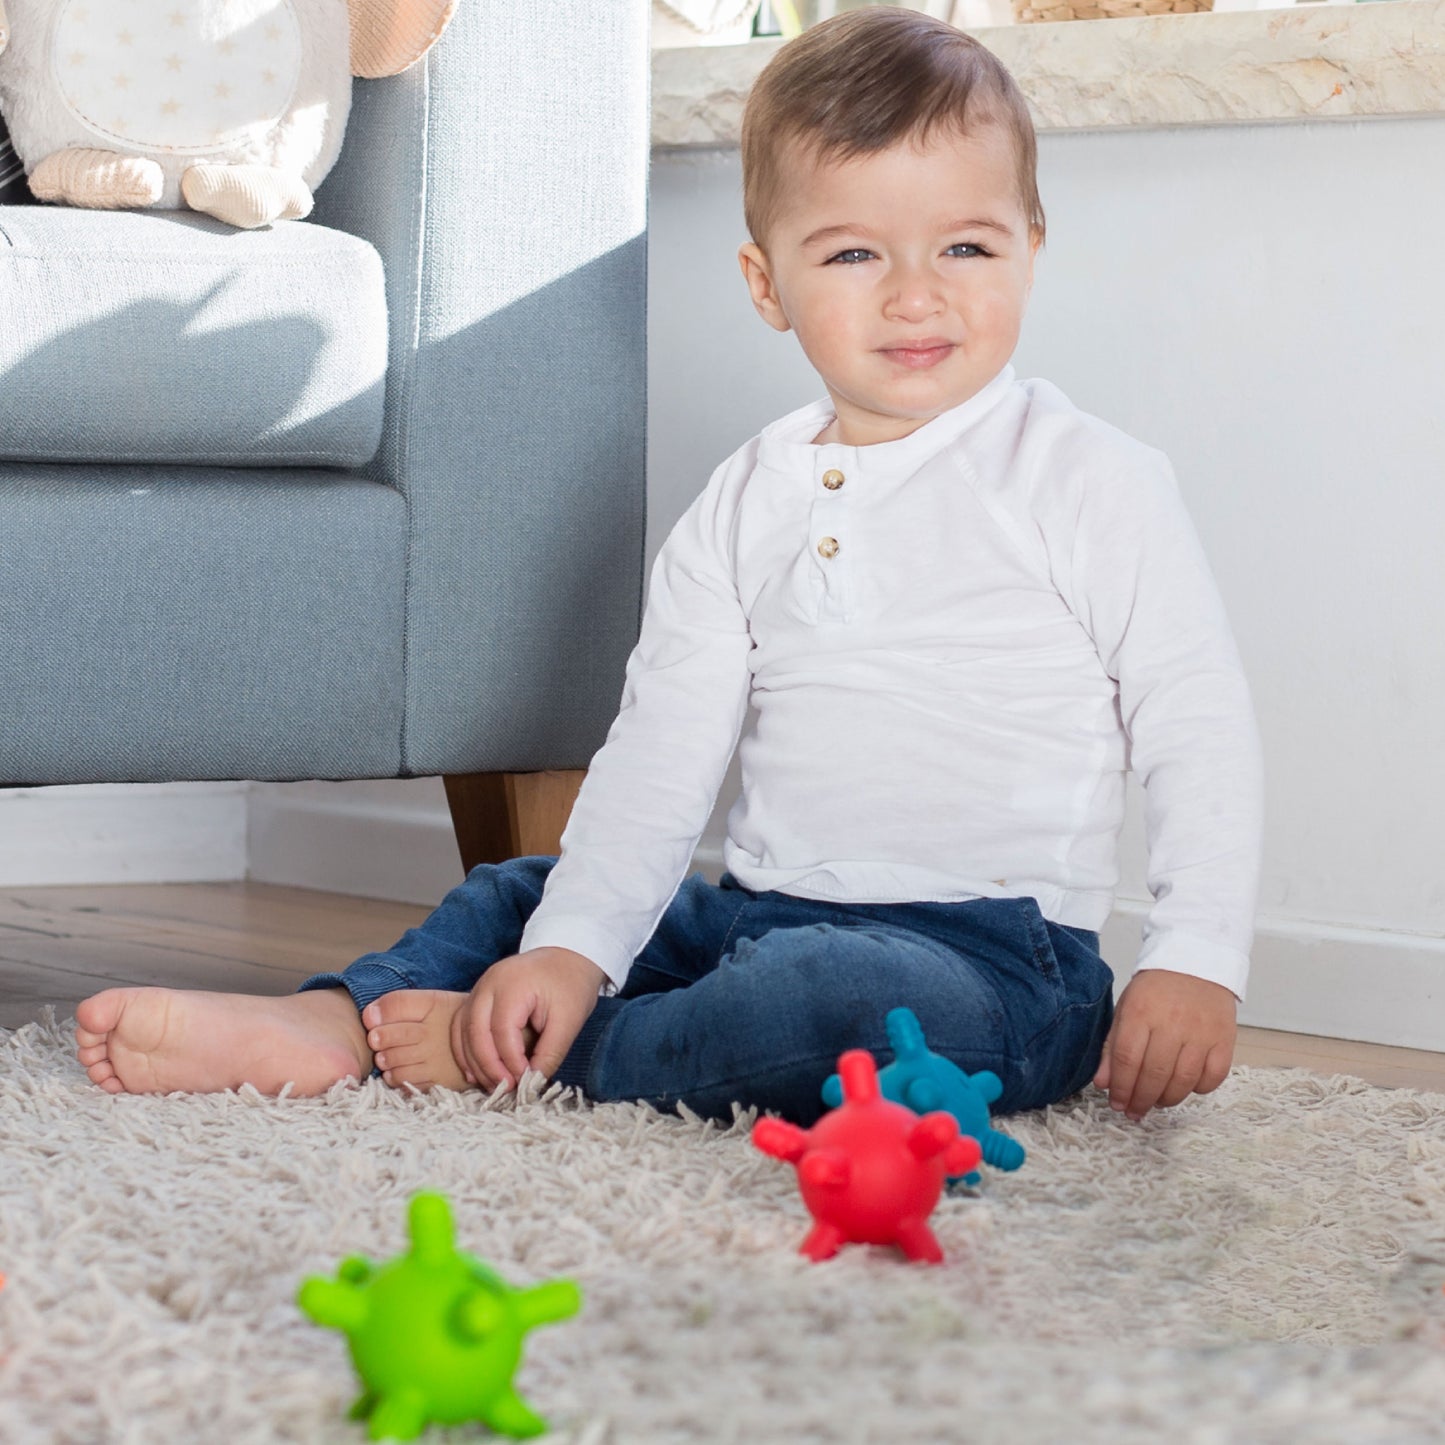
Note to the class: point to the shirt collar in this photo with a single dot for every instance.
(787, 445)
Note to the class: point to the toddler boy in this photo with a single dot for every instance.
(943, 611)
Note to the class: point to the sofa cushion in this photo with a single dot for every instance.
(171, 337)
(197, 622)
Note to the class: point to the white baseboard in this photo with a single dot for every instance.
(384, 839)
(122, 833)
(1311, 977)
(1306, 977)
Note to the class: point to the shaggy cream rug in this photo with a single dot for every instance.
(1262, 1265)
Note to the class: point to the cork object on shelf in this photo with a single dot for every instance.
(1026, 11)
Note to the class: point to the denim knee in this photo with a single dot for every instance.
(820, 989)
(475, 924)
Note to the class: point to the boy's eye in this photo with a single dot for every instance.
(959, 247)
(850, 257)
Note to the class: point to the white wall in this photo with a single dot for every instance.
(1265, 303)
(387, 838)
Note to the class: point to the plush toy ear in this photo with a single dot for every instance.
(389, 35)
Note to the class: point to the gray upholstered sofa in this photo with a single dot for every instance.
(353, 497)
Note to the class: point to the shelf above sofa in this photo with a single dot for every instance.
(1231, 68)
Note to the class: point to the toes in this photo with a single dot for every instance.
(402, 1006)
(417, 1075)
(397, 1035)
(91, 1054)
(402, 1056)
(101, 1072)
(98, 1015)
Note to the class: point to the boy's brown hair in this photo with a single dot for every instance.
(867, 79)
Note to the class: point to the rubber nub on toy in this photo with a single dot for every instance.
(1001, 1151)
(860, 1077)
(905, 1034)
(429, 1221)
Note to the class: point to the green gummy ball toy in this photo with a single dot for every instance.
(435, 1335)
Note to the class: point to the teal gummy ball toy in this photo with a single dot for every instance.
(925, 1082)
(435, 1334)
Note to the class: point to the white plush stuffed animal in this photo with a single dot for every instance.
(232, 107)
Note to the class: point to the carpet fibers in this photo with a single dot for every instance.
(1261, 1265)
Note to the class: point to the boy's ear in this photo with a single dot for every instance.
(759, 276)
(1035, 245)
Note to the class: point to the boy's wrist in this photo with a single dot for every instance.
(1196, 957)
(1187, 980)
(581, 936)
(555, 965)
(560, 953)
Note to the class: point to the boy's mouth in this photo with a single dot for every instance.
(918, 355)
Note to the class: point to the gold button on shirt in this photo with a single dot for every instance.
(833, 480)
(828, 547)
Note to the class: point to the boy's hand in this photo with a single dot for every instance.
(1173, 1035)
(548, 992)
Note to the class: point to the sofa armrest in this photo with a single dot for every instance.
(503, 181)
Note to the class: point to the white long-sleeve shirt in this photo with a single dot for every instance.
(947, 651)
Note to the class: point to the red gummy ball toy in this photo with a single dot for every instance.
(871, 1171)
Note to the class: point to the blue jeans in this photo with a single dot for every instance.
(749, 998)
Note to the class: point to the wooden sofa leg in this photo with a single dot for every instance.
(510, 815)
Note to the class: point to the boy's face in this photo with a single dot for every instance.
(905, 274)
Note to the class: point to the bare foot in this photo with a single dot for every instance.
(164, 1040)
(409, 1032)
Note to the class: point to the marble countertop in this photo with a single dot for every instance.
(1236, 67)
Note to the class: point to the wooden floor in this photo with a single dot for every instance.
(59, 945)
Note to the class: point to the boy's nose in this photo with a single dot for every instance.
(913, 298)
